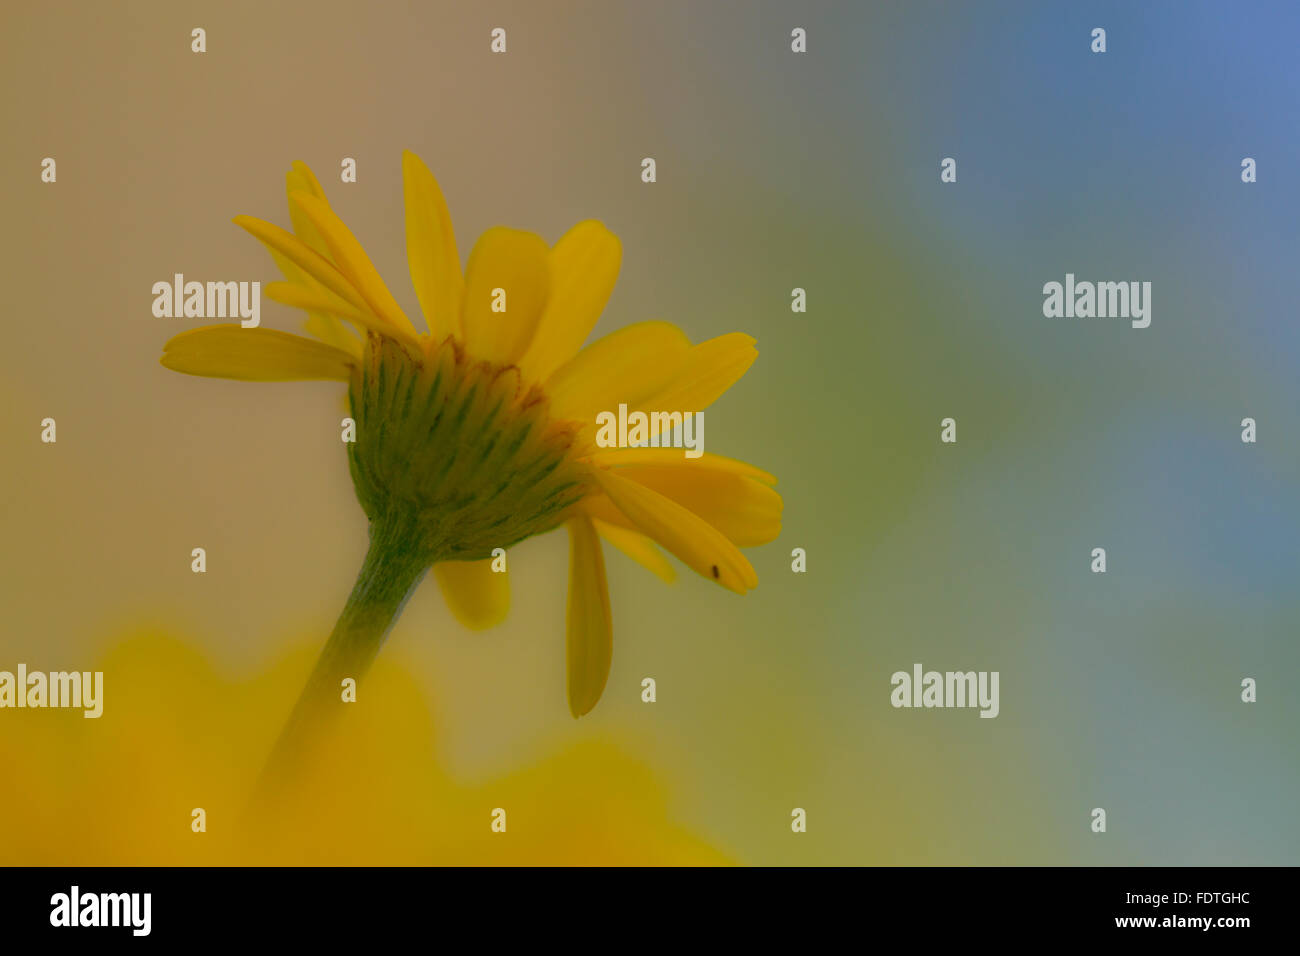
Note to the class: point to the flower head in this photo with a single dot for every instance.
(481, 431)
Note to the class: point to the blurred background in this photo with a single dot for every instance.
(775, 170)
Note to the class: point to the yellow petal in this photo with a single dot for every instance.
(333, 332)
(304, 292)
(256, 355)
(311, 294)
(291, 271)
(302, 289)
(353, 262)
(515, 263)
(637, 547)
(589, 642)
(745, 510)
(584, 268)
(478, 596)
(625, 366)
(431, 250)
(705, 373)
(599, 508)
(300, 179)
(305, 176)
(304, 257)
(616, 457)
(697, 543)
(312, 299)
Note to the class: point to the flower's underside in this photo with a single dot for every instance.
(483, 427)
(460, 449)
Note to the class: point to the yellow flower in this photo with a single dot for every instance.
(481, 431)
(177, 735)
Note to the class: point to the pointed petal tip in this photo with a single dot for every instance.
(253, 225)
(412, 162)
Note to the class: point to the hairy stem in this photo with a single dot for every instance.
(394, 564)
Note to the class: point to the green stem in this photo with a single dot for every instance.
(393, 566)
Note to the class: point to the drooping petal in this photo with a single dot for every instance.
(697, 543)
(584, 268)
(616, 457)
(478, 596)
(353, 263)
(625, 366)
(255, 355)
(589, 641)
(747, 511)
(511, 266)
(637, 547)
(431, 250)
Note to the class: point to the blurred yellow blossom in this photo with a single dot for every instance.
(178, 735)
